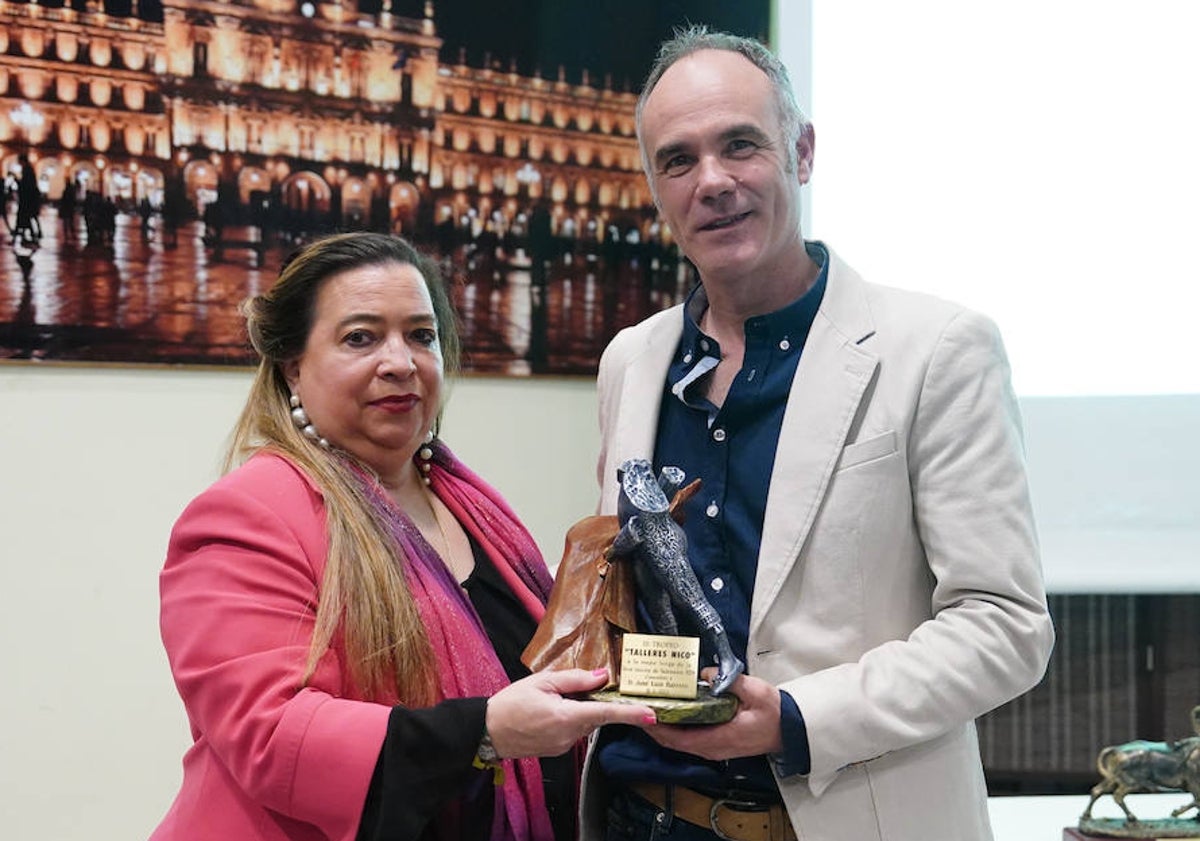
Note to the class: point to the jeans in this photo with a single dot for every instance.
(630, 818)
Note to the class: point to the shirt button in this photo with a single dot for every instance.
(704, 345)
(717, 585)
(712, 510)
(718, 435)
(785, 344)
(687, 358)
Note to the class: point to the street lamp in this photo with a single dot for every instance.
(27, 120)
(527, 175)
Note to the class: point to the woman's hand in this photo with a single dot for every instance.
(532, 718)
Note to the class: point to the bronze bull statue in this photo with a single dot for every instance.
(1149, 767)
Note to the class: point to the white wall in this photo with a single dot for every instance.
(1116, 488)
(96, 465)
(1033, 160)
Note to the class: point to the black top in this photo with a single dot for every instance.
(425, 763)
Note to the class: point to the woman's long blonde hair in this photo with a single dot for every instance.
(363, 590)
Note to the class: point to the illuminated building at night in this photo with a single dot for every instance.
(322, 114)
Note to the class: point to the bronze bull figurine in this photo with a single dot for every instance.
(1148, 767)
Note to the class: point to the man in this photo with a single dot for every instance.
(29, 202)
(864, 527)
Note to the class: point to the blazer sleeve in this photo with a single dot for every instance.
(406, 796)
(238, 604)
(988, 635)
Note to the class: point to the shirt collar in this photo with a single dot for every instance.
(699, 353)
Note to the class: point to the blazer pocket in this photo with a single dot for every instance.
(868, 450)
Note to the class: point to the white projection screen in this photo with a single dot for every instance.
(1038, 160)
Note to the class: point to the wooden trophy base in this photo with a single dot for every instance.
(705, 708)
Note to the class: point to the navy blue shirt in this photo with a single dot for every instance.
(731, 449)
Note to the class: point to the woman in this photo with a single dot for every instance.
(344, 612)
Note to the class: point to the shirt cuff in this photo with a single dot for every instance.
(795, 757)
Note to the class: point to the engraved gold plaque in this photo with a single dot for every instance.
(659, 666)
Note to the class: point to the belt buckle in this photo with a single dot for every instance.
(735, 805)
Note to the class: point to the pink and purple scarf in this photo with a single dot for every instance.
(467, 663)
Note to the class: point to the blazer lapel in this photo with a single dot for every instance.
(641, 398)
(833, 374)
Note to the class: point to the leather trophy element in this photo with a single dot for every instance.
(593, 601)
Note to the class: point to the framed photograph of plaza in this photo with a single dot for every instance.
(161, 158)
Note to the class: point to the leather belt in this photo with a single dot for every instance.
(729, 818)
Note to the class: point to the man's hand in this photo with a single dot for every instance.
(754, 730)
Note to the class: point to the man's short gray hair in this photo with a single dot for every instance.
(697, 37)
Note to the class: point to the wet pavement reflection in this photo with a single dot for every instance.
(138, 299)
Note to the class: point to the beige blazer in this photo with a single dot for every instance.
(899, 592)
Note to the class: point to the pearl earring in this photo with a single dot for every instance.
(424, 455)
(300, 418)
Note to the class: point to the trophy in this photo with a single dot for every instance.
(608, 563)
(1139, 767)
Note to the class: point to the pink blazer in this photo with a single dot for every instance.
(239, 593)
